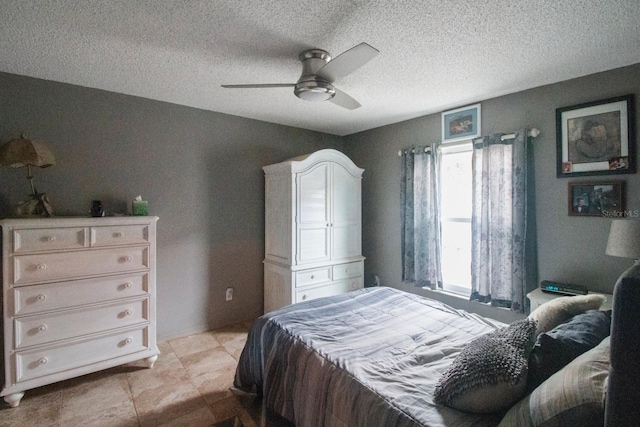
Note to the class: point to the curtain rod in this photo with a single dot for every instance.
(532, 133)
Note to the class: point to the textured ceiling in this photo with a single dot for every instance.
(434, 55)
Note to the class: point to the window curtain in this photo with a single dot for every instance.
(419, 198)
(499, 220)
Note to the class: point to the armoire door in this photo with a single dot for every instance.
(313, 215)
(346, 207)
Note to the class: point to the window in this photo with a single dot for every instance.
(456, 198)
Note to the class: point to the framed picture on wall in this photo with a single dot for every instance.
(596, 138)
(461, 123)
(598, 198)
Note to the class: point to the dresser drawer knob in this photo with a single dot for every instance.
(128, 312)
(42, 328)
(128, 285)
(304, 297)
(41, 297)
(43, 361)
(128, 258)
(313, 277)
(51, 238)
(118, 235)
(128, 341)
(41, 267)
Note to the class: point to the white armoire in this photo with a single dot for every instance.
(313, 227)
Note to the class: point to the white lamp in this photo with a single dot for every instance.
(624, 241)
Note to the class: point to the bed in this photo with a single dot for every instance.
(375, 357)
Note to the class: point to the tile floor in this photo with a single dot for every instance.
(188, 386)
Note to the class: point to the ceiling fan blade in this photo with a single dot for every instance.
(267, 85)
(347, 62)
(345, 101)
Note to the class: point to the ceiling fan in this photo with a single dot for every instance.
(319, 72)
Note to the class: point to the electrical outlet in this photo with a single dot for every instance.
(229, 294)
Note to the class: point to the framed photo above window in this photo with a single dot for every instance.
(461, 123)
(596, 138)
(596, 198)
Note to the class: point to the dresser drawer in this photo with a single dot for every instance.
(346, 271)
(41, 268)
(119, 235)
(33, 330)
(310, 277)
(37, 363)
(39, 298)
(333, 288)
(48, 239)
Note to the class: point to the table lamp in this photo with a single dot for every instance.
(624, 241)
(22, 152)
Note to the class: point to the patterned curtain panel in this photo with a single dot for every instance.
(499, 218)
(419, 198)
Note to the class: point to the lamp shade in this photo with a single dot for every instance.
(624, 239)
(25, 152)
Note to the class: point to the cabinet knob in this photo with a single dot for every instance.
(118, 234)
(312, 276)
(50, 238)
(43, 360)
(128, 285)
(128, 340)
(42, 328)
(128, 258)
(41, 297)
(41, 267)
(304, 297)
(128, 312)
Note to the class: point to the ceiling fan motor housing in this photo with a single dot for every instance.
(310, 87)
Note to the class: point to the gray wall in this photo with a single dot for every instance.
(200, 170)
(570, 249)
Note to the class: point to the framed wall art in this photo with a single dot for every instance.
(596, 138)
(596, 198)
(461, 123)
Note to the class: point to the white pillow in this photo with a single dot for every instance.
(559, 310)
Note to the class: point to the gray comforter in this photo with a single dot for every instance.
(367, 358)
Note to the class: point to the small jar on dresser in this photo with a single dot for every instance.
(78, 296)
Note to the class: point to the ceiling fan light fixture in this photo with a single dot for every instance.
(315, 91)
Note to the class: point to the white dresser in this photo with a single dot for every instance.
(78, 297)
(313, 228)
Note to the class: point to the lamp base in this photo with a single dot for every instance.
(632, 272)
(37, 204)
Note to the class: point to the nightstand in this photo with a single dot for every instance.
(537, 298)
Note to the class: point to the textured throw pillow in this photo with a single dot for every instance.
(490, 373)
(572, 396)
(559, 310)
(555, 349)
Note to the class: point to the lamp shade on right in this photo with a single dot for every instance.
(624, 239)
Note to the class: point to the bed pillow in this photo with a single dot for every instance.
(573, 396)
(490, 373)
(553, 350)
(559, 310)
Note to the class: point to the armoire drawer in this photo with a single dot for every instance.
(119, 235)
(346, 271)
(310, 277)
(34, 330)
(48, 239)
(37, 363)
(333, 288)
(42, 268)
(39, 298)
